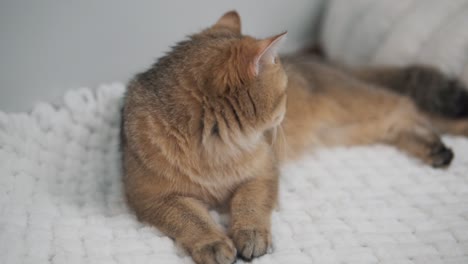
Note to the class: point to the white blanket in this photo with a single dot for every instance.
(61, 198)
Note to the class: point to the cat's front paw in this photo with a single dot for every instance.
(221, 251)
(251, 243)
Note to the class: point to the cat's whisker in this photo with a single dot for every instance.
(285, 141)
(274, 136)
(279, 142)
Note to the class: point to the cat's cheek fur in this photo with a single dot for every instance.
(280, 112)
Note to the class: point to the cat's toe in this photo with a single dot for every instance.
(217, 252)
(441, 156)
(251, 243)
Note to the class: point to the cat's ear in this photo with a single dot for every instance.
(230, 20)
(267, 52)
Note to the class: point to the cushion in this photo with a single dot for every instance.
(360, 32)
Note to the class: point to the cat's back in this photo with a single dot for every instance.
(313, 73)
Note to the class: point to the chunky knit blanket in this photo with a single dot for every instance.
(61, 198)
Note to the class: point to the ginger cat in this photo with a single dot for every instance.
(204, 128)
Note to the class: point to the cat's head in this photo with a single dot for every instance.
(232, 85)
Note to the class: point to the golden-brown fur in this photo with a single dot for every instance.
(338, 109)
(208, 126)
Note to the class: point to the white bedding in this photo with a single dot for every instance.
(61, 198)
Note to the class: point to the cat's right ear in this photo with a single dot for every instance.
(267, 52)
(230, 20)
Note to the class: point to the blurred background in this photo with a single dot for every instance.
(50, 46)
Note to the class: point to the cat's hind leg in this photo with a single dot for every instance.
(369, 109)
(411, 132)
(456, 127)
(403, 127)
(424, 144)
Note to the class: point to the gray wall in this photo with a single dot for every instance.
(49, 46)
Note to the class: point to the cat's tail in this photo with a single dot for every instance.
(430, 89)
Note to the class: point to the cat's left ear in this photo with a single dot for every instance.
(230, 20)
(267, 52)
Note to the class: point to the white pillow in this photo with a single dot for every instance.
(402, 32)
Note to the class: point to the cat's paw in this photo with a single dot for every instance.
(221, 251)
(251, 243)
(440, 156)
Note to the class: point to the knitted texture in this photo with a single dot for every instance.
(61, 198)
